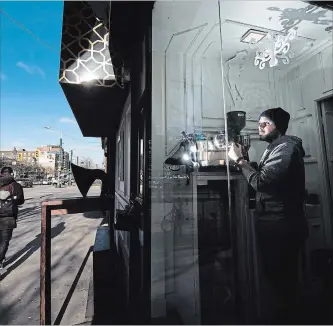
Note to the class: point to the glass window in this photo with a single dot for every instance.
(141, 168)
(216, 66)
(189, 220)
(120, 160)
(121, 155)
(270, 60)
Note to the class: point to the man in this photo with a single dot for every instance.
(11, 195)
(279, 183)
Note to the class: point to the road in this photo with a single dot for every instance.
(72, 237)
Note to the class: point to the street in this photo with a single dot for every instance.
(72, 237)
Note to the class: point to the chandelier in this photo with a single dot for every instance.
(278, 50)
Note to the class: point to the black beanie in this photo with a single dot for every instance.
(280, 118)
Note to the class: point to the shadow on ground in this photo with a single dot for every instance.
(22, 255)
(93, 215)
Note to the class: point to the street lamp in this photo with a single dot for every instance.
(60, 155)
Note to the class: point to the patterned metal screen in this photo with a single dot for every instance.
(85, 55)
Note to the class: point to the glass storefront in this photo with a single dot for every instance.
(216, 66)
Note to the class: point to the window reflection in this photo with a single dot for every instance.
(216, 68)
(141, 168)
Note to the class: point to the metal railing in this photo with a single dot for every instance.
(59, 207)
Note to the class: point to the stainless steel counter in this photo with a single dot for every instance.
(202, 178)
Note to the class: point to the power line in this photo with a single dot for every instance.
(87, 142)
(27, 30)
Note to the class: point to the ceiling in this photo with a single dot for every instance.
(193, 28)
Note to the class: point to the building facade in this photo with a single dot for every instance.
(175, 68)
(49, 158)
(25, 163)
(19, 155)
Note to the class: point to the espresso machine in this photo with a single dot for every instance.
(212, 151)
(207, 152)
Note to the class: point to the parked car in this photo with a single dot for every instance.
(25, 182)
(61, 182)
(45, 182)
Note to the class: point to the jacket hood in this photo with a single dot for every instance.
(6, 180)
(295, 141)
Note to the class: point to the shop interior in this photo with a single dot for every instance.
(216, 67)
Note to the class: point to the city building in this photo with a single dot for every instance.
(18, 155)
(48, 160)
(49, 157)
(25, 163)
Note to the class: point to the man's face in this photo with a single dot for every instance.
(267, 129)
(6, 173)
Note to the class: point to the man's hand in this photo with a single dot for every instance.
(235, 152)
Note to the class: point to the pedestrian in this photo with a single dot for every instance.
(11, 195)
(282, 228)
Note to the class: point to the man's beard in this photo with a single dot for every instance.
(271, 136)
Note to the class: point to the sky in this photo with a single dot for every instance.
(31, 97)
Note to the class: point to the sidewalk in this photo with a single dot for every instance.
(72, 237)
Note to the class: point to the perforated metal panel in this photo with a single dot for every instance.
(85, 55)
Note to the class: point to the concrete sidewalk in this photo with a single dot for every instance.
(72, 238)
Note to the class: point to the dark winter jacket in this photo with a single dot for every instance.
(6, 182)
(279, 183)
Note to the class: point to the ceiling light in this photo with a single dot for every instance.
(253, 36)
(193, 149)
(277, 51)
(186, 157)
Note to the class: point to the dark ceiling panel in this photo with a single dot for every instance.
(97, 110)
(323, 4)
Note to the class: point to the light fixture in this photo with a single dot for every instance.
(186, 157)
(193, 149)
(253, 36)
(278, 50)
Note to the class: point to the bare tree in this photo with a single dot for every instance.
(87, 163)
(25, 169)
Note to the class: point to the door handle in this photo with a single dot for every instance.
(127, 219)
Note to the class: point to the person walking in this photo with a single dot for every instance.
(11, 196)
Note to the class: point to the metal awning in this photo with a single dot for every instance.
(94, 88)
(97, 110)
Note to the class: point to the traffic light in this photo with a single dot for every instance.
(20, 156)
(37, 154)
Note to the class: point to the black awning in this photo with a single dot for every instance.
(97, 110)
(94, 92)
(92, 76)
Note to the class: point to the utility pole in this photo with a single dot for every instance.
(70, 168)
(60, 157)
(77, 160)
(60, 162)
